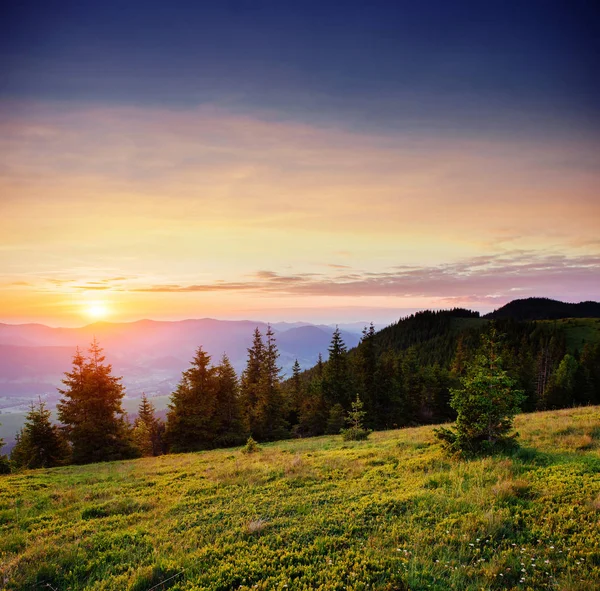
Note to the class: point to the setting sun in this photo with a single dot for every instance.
(97, 310)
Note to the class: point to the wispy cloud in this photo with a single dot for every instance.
(480, 278)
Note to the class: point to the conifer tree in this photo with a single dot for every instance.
(366, 366)
(320, 367)
(356, 430)
(269, 412)
(191, 419)
(485, 404)
(147, 429)
(91, 412)
(229, 418)
(296, 392)
(412, 385)
(335, 420)
(337, 386)
(40, 444)
(251, 380)
(4, 463)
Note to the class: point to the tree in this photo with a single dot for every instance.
(191, 419)
(91, 412)
(269, 413)
(4, 463)
(261, 393)
(335, 420)
(485, 404)
(336, 377)
(147, 429)
(251, 378)
(229, 419)
(366, 366)
(297, 392)
(40, 444)
(356, 430)
(561, 385)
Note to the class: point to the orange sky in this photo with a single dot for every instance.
(206, 212)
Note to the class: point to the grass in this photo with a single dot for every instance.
(390, 513)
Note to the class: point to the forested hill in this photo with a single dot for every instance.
(404, 373)
(545, 309)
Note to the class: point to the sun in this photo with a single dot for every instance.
(97, 310)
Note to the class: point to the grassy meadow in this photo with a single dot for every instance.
(391, 513)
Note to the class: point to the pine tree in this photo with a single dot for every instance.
(250, 384)
(459, 363)
(485, 404)
(4, 463)
(91, 411)
(269, 411)
(337, 385)
(560, 391)
(40, 444)
(412, 385)
(191, 419)
(229, 418)
(336, 420)
(147, 430)
(366, 367)
(356, 429)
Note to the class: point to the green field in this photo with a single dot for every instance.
(390, 513)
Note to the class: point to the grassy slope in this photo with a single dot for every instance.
(318, 514)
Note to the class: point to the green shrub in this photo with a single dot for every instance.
(250, 447)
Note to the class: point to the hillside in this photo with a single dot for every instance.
(390, 513)
(545, 309)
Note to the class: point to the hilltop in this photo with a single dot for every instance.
(545, 309)
(390, 513)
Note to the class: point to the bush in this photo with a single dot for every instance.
(250, 447)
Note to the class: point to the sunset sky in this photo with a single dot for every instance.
(319, 161)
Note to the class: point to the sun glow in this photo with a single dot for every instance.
(97, 310)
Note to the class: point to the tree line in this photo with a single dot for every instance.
(403, 375)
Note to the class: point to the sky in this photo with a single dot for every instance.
(317, 161)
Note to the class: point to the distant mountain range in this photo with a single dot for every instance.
(150, 355)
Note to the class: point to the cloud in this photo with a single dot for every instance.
(482, 278)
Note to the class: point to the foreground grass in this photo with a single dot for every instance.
(390, 513)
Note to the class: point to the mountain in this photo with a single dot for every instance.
(150, 355)
(544, 309)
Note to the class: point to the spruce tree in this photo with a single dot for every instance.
(485, 404)
(4, 463)
(91, 412)
(40, 444)
(337, 386)
(229, 417)
(366, 367)
(250, 384)
(356, 417)
(269, 413)
(147, 429)
(335, 420)
(191, 419)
